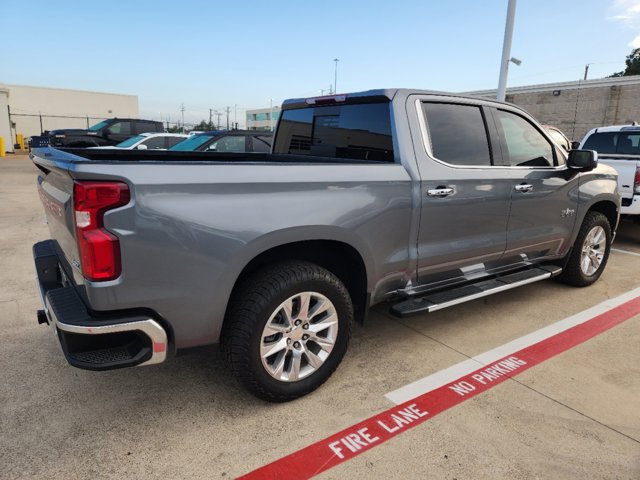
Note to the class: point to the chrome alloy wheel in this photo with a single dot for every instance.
(593, 250)
(299, 336)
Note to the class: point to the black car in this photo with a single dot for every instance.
(108, 132)
(226, 141)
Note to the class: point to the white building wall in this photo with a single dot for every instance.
(262, 123)
(56, 105)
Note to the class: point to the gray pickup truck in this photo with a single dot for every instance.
(419, 199)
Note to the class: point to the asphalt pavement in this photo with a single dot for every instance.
(572, 416)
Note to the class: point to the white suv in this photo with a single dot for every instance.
(149, 141)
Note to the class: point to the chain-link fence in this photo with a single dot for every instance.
(36, 124)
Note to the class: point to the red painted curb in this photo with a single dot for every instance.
(359, 438)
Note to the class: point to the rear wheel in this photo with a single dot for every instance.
(287, 328)
(590, 252)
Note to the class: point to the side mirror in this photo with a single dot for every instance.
(106, 132)
(582, 160)
(141, 147)
(575, 145)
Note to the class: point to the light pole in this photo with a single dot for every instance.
(506, 51)
(335, 76)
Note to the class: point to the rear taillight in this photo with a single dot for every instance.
(636, 181)
(99, 249)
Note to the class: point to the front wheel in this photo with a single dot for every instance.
(590, 252)
(286, 330)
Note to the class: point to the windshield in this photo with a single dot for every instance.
(130, 141)
(99, 126)
(614, 142)
(192, 143)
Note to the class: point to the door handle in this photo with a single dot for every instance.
(524, 187)
(440, 192)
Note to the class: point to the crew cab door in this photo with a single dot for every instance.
(544, 195)
(465, 197)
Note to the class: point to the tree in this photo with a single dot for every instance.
(203, 126)
(633, 65)
(175, 129)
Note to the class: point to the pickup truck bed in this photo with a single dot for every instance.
(422, 198)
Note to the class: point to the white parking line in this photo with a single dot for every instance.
(625, 251)
(443, 377)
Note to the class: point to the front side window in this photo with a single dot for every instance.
(525, 145)
(458, 134)
(359, 132)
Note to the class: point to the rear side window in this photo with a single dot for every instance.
(614, 142)
(261, 144)
(171, 141)
(359, 132)
(231, 143)
(458, 134)
(147, 127)
(154, 143)
(525, 145)
(120, 128)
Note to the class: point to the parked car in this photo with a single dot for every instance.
(107, 132)
(149, 141)
(619, 147)
(238, 141)
(557, 136)
(405, 196)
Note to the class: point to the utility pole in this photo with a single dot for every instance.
(335, 76)
(182, 110)
(235, 115)
(218, 123)
(586, 70)
(227, 111)
(210, 114)
(506, 50)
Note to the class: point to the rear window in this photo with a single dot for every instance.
(614, 142)
(359, 132)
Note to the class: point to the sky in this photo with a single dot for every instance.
(247, 54)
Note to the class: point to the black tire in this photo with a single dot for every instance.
(257, 301)
(574, 273)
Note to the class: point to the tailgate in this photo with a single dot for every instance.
(55, 188)
(626, 168)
